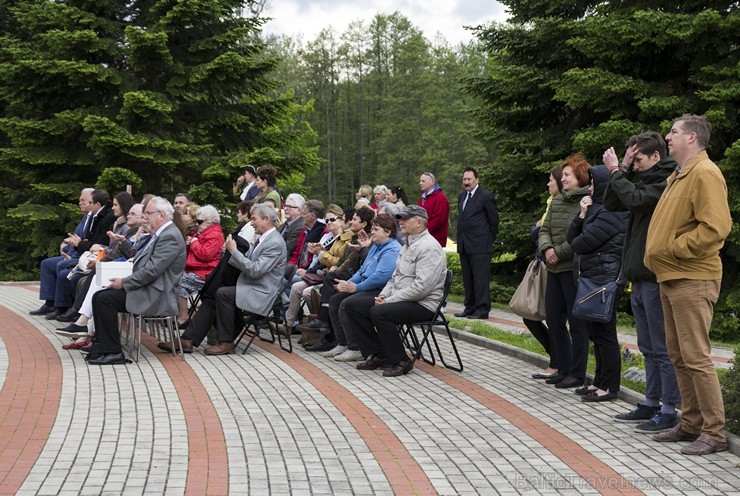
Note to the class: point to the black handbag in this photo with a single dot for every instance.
(595, 302)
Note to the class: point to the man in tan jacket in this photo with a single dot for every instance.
(689, 227)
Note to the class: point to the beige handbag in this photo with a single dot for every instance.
(529, 298)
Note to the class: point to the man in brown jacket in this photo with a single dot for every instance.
(689, 226)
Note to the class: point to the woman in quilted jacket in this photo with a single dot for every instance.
(597, 238)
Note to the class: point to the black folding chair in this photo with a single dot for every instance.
(408, 333)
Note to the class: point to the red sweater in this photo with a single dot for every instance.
(204, 251)
(438, 210)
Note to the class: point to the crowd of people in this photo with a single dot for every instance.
(660, 231)
(369, 267)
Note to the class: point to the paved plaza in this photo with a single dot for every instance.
(272, 422)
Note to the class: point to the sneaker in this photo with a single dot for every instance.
(349, 356)
(660, 422)
(639, 414)
(337, 350)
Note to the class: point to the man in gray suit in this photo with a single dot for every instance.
(259, 283)
(150, 290)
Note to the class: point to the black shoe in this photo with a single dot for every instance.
(322, 345)
(569, 382)
(462, 315)
(108, 359)
(72, 331)
(483, 316)
(315, 325)
(70, 315)
(42, 310)
(401, 368)
(539, 375)
(53, 315)
(556, 379)
(595, 398)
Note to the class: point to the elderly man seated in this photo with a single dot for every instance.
(260, 281)
(412, 294)
(150, 290)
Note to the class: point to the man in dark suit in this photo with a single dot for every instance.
(293, 225)
(150, 290)
(477, 225)
(260, 281)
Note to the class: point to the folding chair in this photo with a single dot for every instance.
(412, 342)
(163, 328)
(254, 323)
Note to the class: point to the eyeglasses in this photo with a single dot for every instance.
(199, 221)
(291, 206)
(331, 219)
(150, 213)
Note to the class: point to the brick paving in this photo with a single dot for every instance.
(271, 422)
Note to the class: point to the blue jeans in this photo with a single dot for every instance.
(659, 371)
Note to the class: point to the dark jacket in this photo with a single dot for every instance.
(639, 199)
(102, 223)
(553, 232)
(597, 239)
(477, 225)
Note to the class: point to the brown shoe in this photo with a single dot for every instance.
(187, 346)
(222, 348)
(704, 445)
(674, 435)
(372, 363)
(401, 368)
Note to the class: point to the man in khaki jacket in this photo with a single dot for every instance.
(689, 226)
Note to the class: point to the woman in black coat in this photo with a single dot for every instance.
(597, 238)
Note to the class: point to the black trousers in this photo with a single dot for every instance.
(327, 291)
(570, 345)
(220, 312)
(607, 353)
(83, 285)
(476, 274)
(542, 334)
(376, 326)
(106, 304)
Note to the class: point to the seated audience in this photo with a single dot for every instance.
(204, 252)
(412, 294)
(260, 280)
(365, 283)
(150, 290)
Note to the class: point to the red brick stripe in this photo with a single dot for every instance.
(597, 473)
(403, 472)
(29, 400)
(208, 467)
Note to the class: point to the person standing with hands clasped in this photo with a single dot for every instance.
(597, 237)
(477, 225)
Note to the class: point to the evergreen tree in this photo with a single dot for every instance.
(584, 76)
(165, 95)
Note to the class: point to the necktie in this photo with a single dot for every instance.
(467, 198)
(85, 227)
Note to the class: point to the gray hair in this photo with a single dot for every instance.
(381, 188)
(162, 205)
(265, 211)
(389, 208)
(209, 214)
(300, 202)
(87, 190)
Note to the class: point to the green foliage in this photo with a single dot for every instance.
(730, 384)
(164, 96)
(565, 77)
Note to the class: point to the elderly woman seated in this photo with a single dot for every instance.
(204, 252)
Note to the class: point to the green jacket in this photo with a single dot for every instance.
(639, 199)
(553, 232)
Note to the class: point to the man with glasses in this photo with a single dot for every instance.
(150, 290)
(292, 227)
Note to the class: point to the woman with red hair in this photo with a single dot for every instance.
(570, 348)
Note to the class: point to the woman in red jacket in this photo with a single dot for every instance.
(204, 252)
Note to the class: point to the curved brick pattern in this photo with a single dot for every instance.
(207, 469)
(404, 474)
(28, 400)
(283, 435)
(115, 432)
